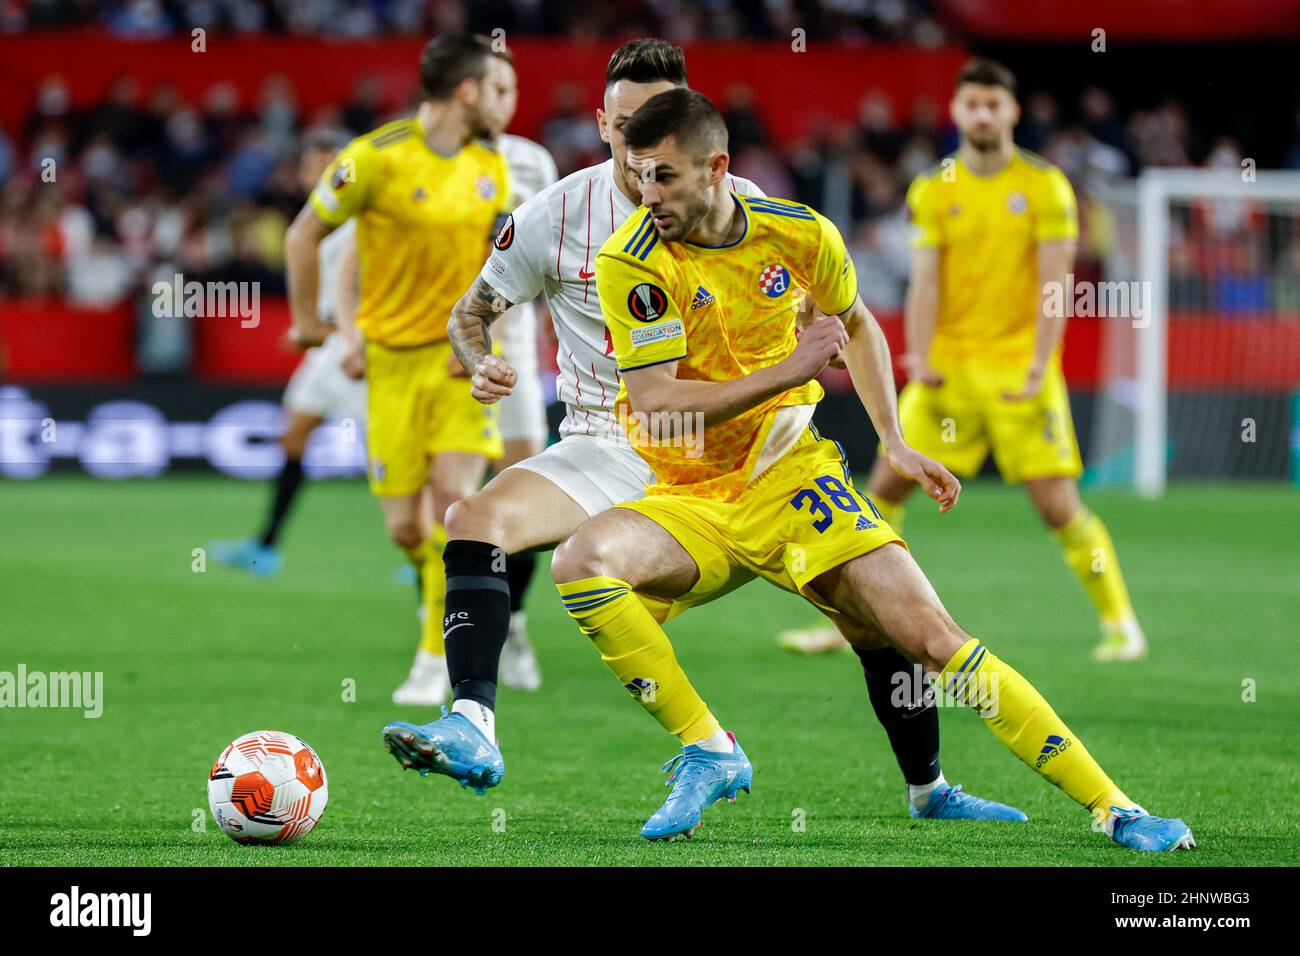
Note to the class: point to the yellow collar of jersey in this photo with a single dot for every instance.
(985, 177)
(744, 233)
(424, 138)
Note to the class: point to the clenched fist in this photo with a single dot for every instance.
(493, 379)
(819, 344)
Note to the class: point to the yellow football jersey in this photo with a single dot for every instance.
(720, 313)
(987, 229)
(424, 225)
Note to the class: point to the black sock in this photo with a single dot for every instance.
(478, 618)
(908, 715)
(287, 483)
(519, 569)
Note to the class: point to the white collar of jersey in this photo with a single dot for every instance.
(622, 204)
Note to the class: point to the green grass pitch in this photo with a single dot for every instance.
(97, 576)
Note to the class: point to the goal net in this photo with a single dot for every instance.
(1197, 327)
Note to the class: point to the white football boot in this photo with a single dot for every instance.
(519, 668)
(812, 640)
(1123, 641)
(427, 685)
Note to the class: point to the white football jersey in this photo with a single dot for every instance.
(549, 245)
(531, 167)
(329, 255)
(531, 170)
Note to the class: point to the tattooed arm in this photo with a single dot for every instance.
(491, 378)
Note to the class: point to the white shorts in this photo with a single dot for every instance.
(319, 386)
(522, 415)
(597, 473)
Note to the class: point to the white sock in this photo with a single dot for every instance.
(427, 659)
(920, 796)
(481, 717)
(718, 743)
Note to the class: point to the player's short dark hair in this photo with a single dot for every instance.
(681, 113)
(986, 73)
(449, 59)
(647, 60)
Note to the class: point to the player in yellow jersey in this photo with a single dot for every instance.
(593, 467)
(698, 293)
(994, 231)
(994, 228)
(425, 193)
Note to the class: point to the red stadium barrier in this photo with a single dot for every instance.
(326, 72)
(226, 351)
(1162, 20)
(54, 342)
(47, 342)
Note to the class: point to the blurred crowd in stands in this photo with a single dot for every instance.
(677, 20)
(145, 184)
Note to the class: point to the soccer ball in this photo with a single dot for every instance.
(267, 787)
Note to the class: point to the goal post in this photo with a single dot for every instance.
(1201, 381)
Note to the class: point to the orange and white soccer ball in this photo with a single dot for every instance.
(267, 787)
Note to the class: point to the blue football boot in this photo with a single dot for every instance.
(1136, 829)
(249, 555)
(953, 803)
(699, 778)
(451, 746)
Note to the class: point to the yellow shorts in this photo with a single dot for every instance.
(797, 520)
(958, 422)
(416, 410)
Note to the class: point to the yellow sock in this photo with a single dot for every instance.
(1087, 549)
(893, 513)
(427, 559)
(636, 649)
(1020, 718)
